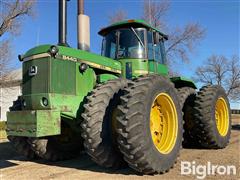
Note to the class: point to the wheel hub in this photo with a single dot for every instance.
(222, 116)
(163, 123)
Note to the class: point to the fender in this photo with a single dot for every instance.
(183, 82)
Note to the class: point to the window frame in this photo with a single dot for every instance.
(153, 52)
(117, 31)
(162, 52)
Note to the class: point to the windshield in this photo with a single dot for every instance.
(124, 43)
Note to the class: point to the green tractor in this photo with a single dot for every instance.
(121, 107)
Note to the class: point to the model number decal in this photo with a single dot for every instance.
(69, 58)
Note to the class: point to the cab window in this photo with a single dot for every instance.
(150, 45)
(109, 45)
(159, 52)
(163, 53)
(125, 43)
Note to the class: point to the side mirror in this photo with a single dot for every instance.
(156, 37)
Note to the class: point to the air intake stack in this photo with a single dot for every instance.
(62, 23)
(83, 26)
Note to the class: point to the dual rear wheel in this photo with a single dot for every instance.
(145, 125)
(142, 128)
(208, 118)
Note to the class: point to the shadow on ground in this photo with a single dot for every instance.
(83, 162)
(6, 152)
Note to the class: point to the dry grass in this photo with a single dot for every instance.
(3, 134)
(236, 117)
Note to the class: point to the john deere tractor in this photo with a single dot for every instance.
(121, 107)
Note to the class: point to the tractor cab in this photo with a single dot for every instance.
(134, 42)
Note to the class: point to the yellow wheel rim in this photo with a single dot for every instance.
(163, 123)
(222, 116)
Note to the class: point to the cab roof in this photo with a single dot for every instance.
(130, 23)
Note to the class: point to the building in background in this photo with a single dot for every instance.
(9, 91)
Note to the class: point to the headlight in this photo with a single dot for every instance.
(83, 67)
(45, 101)
(24, 104)
(53, 50)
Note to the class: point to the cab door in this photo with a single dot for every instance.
(160, 58)
(152, 64)
(156, 55)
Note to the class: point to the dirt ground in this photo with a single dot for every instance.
(14, 166)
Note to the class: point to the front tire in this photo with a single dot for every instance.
(149, 125)
(21, 144)
(98, 126)
(57, 148)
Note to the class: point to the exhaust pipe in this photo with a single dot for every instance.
(62, 23)
(83, 25)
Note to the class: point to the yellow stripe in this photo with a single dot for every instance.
(37, 56)
(141, 71)
(101, 66)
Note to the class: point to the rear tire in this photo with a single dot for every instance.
(22, 146)
(98, 126)
(20, 143)
(212, 119)
(186, 98)
(145, 149)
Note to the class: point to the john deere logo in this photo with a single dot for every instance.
(32, 71)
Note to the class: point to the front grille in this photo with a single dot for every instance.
(38, 83)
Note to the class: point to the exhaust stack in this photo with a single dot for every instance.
(62, 23)
(83, 25)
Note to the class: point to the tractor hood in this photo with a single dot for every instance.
(76, 55)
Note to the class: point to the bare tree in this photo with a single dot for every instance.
(154, 12)
(222, 71)
(5, 54)
(12, 14)
(182, 40)
(118, 16)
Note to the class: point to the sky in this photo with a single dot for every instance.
(221, 19)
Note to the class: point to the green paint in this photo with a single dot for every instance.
(157, 68)
(162, 69)
(138, 65)
(62, 79)
(35, 123)
(90, 57)
(138, 22)
(85, 81)
(37, 50)
(183, 82)
(40, 82)
(106, 77)
(152, 65)
(102, 62)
